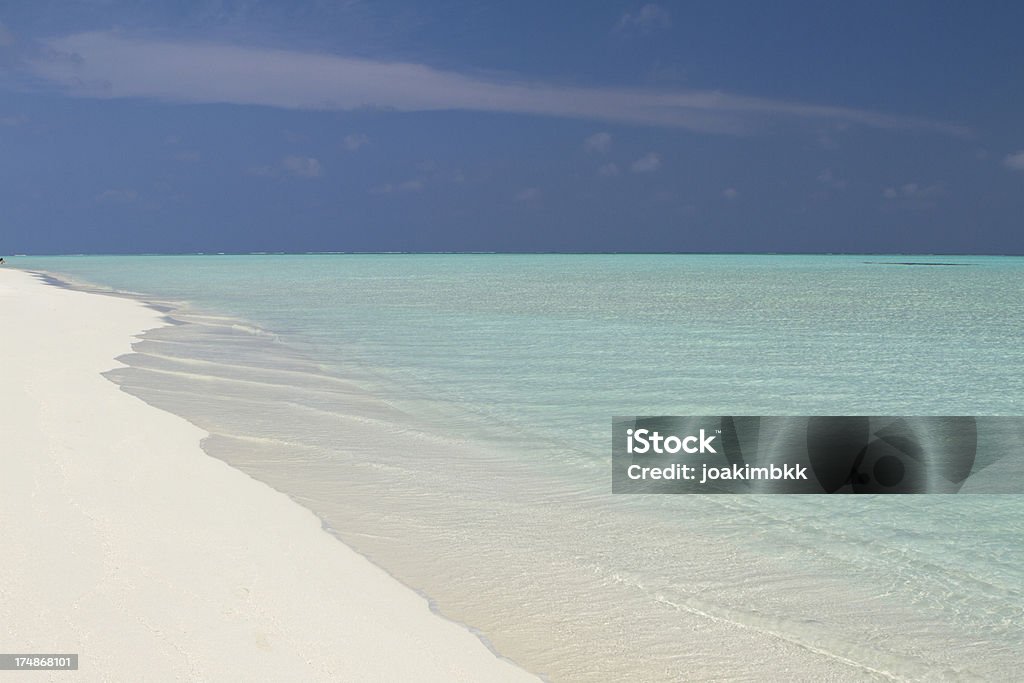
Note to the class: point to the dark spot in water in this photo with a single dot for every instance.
(915, 263)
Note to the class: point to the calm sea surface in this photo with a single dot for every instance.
(449, 416)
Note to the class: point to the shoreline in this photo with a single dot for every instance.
(136, 550)
(342, 430)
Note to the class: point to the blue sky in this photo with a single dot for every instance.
(526, 126)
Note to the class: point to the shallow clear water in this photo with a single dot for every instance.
(449, 416)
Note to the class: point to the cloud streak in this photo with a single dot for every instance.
(304, 167)
(648, 163)
(647, 18)
(914, 196)
(6, 37)
(354, 141)
(111, 65)
(1015, 162)
(598, 142)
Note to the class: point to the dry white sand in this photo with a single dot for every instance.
(125, 543)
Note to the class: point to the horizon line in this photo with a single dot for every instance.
(518, 253)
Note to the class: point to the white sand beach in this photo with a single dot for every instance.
(126, 544)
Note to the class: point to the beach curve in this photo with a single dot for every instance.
(128, 545)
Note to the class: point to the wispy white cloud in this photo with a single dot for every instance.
(598, 142)
(646, 19)
(304, 167)
(294, 165)
(120, 196)
(354, 141)
(829, 134)
(608, 170)
(528, 194)
(12, 120)
(829, 179)
(731, 194)
(1015, 161)
(188, 156)
(6, 37)
(647, 163)
(913, 195)
(912, 191)
(112, 65)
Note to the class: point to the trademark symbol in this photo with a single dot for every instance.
(718, 431)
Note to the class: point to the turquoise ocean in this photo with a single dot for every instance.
(449, 416)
